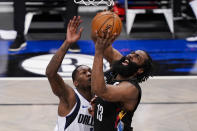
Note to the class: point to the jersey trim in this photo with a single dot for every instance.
(71, 118)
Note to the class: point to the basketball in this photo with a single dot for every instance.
(106, 20)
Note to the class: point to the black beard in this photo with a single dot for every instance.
(125, 71)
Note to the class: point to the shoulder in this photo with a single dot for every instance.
(131, 88)
(131, 95)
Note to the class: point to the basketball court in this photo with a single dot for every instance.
(169, 100)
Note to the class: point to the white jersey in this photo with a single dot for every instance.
(78, 119)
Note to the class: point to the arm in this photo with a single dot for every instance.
(59, 88)
(111, 54)
(123, 92)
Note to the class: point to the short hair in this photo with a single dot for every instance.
(75, 72)
(148, 67)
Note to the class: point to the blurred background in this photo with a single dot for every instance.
(160, 27)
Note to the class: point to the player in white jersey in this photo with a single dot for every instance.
(79, 117)
(73, 103)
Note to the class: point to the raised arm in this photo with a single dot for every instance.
(123, 92)
(59, 88)
(111, 54)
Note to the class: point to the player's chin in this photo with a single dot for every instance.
(89, 83)
(89, 86)
(89, 80)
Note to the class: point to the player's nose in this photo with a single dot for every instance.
(88, 73)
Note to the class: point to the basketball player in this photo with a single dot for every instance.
(119, 98)
(73, 103)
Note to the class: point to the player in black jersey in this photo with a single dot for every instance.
(117, 89)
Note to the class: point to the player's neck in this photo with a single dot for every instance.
(86, 94)
(119, 77)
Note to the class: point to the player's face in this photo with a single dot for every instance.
(138, 57)
(129, 65)
(84, 76)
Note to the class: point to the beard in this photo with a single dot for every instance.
(124, 71)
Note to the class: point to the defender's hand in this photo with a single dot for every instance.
(91, 110)
(72, 30)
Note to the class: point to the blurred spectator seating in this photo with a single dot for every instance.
(134, 7)
(35, 7)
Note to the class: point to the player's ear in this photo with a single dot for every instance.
(76, 83)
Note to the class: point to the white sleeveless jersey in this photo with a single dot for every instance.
(78, 119)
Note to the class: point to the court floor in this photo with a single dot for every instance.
(168, 104)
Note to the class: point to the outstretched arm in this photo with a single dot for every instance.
(59, 88)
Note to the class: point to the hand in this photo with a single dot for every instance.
(91, 110)
(72, 30)
(104, 40)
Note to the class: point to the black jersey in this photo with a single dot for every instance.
(106, 114)
(125, 117)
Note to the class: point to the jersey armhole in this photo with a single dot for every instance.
(73, 114)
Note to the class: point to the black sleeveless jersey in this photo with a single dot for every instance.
(106, 114)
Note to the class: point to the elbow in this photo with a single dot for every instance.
(49, 73)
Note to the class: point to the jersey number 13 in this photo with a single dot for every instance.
(99, 113)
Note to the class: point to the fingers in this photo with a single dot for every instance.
(72, 21)
(69, 25)
(93, 100)
(78, 22)
(102, 34)
(80, 32)
(104, 38)
(91, 111)
(108, 34)
(107, 38)
(96, 32)
(75, 22)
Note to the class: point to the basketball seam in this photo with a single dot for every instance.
(101, 15)
(104, 23)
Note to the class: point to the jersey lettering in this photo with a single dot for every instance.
(85, 119)
(99, 112)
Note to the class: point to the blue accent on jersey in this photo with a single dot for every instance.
(84, 106)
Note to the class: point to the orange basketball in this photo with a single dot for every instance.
(106, 20)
